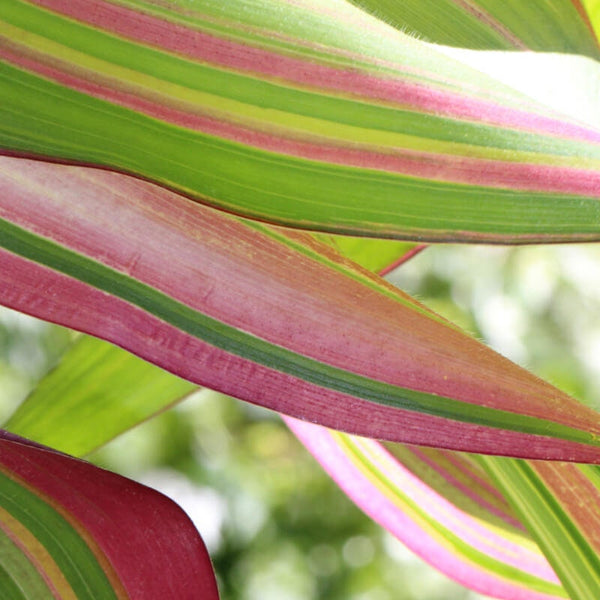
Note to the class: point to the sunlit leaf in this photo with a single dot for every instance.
(550, 26)
(455, 521)
(316, 115)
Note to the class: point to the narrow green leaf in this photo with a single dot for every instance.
(559, 505)
(99, 388)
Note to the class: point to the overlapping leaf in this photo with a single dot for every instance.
(70, 530)
(440, 504)
(273, 311)
(441, 507)
(315, 114)
(506, 151)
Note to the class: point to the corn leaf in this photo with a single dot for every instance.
(71, 530)
(315, 115)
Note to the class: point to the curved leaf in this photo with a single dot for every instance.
(370, 253)
(440, 504)
(456, 530)
(592, 8)
(71, 530)
(252, 310)
(318, 116)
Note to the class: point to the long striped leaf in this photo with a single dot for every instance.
(70, 530)
(441, 507)
(560, 503)
(444, 507)
(311, 114)
(440, 504)
(254, 311)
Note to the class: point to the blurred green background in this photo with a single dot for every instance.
(275, 524)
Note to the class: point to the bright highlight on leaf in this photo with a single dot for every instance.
(251, 310)
(70, 530)
(555, 26)
(342, 124)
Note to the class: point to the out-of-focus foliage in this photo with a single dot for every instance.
(28, 349)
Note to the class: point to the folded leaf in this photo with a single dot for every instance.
(314, 115)
(254, 311)
(71, 530)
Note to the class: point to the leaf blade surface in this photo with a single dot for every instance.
(186, 287)
(393, 139)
